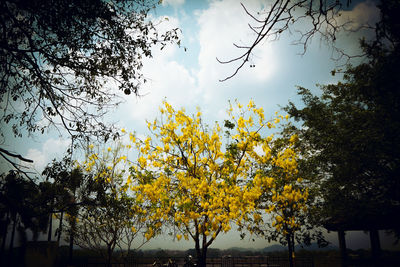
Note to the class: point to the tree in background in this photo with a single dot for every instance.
(70, 189)
(290, 203)
(21, 207)
(190, 182)
(103, 226)
(64, 182)
(60, 61)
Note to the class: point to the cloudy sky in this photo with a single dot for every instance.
(190, 77)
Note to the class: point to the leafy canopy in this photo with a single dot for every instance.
(351, 132)
(115, 219)
(191, 182)
(60, 61)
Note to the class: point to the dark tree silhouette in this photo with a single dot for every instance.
(351, 132)
(21, 208)
(61, 60)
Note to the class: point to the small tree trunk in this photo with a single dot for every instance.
(4, 236)
(343, 249)
(71, 242)
(50, 227)
(109, 255)
(13, 233)
(71, 246)
(290, 248)
(4, 233)
(293, 251)
(60, 227)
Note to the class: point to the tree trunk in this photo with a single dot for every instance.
(109, 255)
(202, 258)
(375, 247)
(71, 242)
(4, 236)
(293, 251)
(4, 233)
(290, 248)
(13, 233)
(201, 254)
(60, 227)
(342, 245)
(50, 227)
(198, 250)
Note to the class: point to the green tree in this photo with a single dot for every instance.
(352, 133)
(60, 61)
(68, 190)
(21, 206)
(115, 219)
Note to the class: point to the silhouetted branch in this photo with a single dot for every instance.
(321, 15)
(15, 155)
(7, 154)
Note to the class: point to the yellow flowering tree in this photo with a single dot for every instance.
(289, 200)
(191, 181)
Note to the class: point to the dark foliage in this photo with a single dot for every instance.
(63, 62)
(352, 135)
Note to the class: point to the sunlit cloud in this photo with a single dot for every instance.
(222, 25)
(51, 149)
(166, 78)
(173, 3)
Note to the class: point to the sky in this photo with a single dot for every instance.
(188, 77)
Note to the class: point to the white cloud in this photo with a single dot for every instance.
(39, 158)
(270, 83)
(167, 78)
(221, 25)
(170, 80)
(365, 14)
(173, 3)
(52, 148)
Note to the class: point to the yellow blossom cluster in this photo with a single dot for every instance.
(189, 179)
(71, 218)
(289, 195)
(186, 177)
(110, 166)
(106, 164)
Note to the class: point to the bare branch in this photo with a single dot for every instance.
(5, 154)
(15, 155)
(279, 18)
